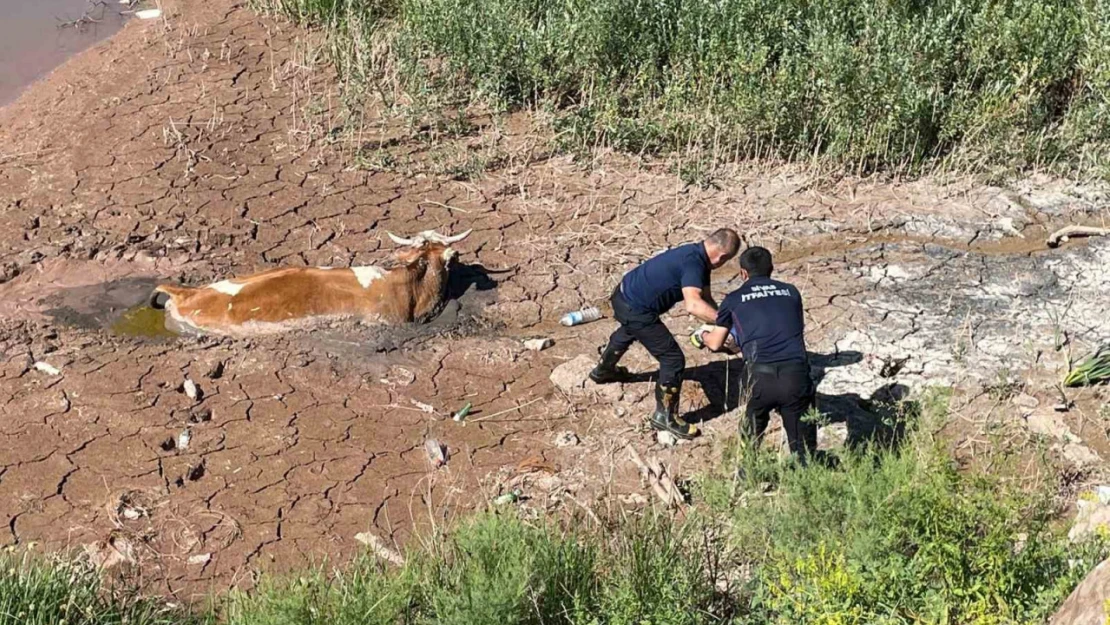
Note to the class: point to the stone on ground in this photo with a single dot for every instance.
(1087, 603)
(571, 376)
(1091, 516)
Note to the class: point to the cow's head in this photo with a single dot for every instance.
(426, 258)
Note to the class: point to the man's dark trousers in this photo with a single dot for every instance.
(785, 387)
(648, 329)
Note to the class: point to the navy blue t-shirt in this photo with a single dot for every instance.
(766, 317)
(656, 286)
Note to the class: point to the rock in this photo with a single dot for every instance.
(566, 439)
(1088, 518)
(196, 471)
(1080, 455)
(190, 389)
(538, 345)
(1008, 226)
(216, 372)
(1048, 424)
(47, 368)
(1063, 406)
(1086, 605)
(571, 376)
(1024, 400)
(200, 416)
(110, 553)
(666, 439)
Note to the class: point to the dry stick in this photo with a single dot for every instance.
(665, 480)
(447, 206)
(506, 411)
(665, 495)
(1061, 235)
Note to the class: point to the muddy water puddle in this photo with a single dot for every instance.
(38, 35)
(142, 322)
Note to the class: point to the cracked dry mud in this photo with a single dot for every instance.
(182, 150)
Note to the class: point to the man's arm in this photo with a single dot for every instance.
(707, 297)
(715, 338)
(698, 307)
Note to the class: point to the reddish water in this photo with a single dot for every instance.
(32, 41)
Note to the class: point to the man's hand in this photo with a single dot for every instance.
(697, 306)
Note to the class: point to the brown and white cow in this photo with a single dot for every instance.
(410, 286)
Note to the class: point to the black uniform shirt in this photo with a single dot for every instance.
(766, 317)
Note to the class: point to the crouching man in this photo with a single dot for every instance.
(764, 317)
(643, 296)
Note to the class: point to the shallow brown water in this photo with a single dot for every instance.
(142, 321)
(35, 40)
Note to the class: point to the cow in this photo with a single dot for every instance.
(409, 287)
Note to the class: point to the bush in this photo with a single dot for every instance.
(901, 536)
(868, 85)
(499, 570)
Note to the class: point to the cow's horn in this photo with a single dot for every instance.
(399, 240)
(456, 238)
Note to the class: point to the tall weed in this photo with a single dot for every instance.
(898, 84)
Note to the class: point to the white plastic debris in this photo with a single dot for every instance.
(666, 439)
(437, 455)
(538, 345)
(148, 14)
(183, 439)
(47, 368)
(201, 558)
(131, 514)
(422, 406)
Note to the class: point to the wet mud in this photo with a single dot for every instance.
(36, 37)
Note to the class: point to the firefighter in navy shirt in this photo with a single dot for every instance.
(646, 293)
(765, 317)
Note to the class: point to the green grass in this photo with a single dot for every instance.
(891, 85)
(36, 591)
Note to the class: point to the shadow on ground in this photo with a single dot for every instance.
(880, 420)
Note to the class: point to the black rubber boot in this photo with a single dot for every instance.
(608, 371)
(666, 416)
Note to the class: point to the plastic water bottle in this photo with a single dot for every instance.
(577, 317)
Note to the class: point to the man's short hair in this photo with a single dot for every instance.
(725, 240)
(757, 262)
